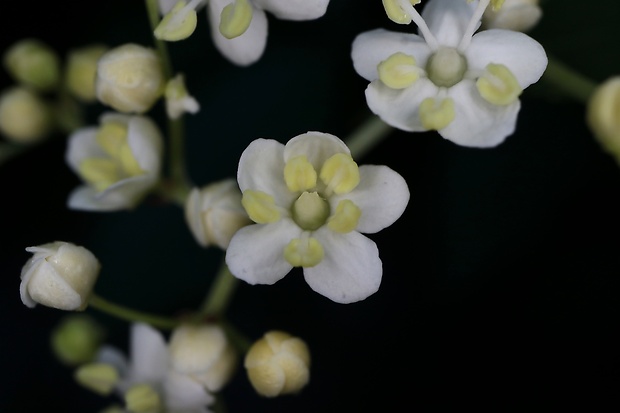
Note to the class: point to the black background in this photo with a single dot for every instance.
(501, 279)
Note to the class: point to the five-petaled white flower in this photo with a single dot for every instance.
(238, 27)
(464, 85)
(310, 203)
(119, 161)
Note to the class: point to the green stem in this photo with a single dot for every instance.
(152, 9)
(220, 293)
(569, 81)
(367, 136)
(130, 314)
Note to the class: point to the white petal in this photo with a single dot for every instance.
(261, 168)
(146, 143)
(113, 356)
(316, 146)
(148, 354)
(26, 274)
(372, 47)
(124, 194)
(82, 144)
(294, 9)
(183, 394)
(256, 252)
(478, 123)
(524, 56)
(448, 19)
(46, 286)
(245, 49)
(351, 269)
(382, 195)
(400, 108)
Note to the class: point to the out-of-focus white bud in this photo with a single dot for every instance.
(76, 339)
(81, 71)
(603, 115)
(518, 15)
(59, 275)
(214, 213)
(278, 364)
(130, 78)
(119, 161)
(33, 64)
(178, 100)
(203, 352)
(25, 118)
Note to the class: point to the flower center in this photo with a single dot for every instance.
(446, 67)
(310, 211)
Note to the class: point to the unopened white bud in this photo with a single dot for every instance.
(59, 275)
(278, 364)
(130, 78)
(214, 213)
(518, 15)
(33, 64)
(81, 71)
(603, 115)
(203, 352)
(25, 117)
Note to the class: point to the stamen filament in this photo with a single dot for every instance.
(419, 21)
(473, 24)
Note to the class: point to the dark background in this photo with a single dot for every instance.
(501, 279)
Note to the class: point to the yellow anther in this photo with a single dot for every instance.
(346, 217)
(497, 4)
(142, 398)
(299, 174)
(398, 71)
(396, 13)
(340, 173)
(436, 115)
(235, 18)
(260, 207)
(111, 136)
(99, 172)
(310, 211)
(498, 85)
(178, 24)
(306, 252)
(128, 162)
(98, 377)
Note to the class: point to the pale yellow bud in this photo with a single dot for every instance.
(130, 78)
(518, 15)
(81, 71)
(278, 364)
(25, 117)
(33, 64)
(214, 213)
(76, 339)
(59, 275)
(98, 377)
(603, 115)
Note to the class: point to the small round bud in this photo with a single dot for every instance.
(214, 213)
(603, 115)
(76, 339)
(130, 78)
(33, 64)
(25, 117)
(518, 15)
(59, 275)
(278, 364)
(204, 353)
(81, 71)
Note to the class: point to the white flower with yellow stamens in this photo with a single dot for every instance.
(464, 85)
(311, 202)
(238, 27)
(119, 161)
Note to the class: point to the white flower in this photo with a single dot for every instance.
(59, 275)
(146, 376)
(239, 27)
(311, 203)
(214, 213)
(119, 161)
(464, 85)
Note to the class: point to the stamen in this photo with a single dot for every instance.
(99, 172)
(235, 18)
(299, 174)
(304, 252)
(473, 24)
(261, 207)
(346, 217)
(111, 136)
(498, 85)
(398, 71)
(395, 13)
(340, 173)
(98, 377)
(436, 113)
(142, 398)
(419, 21)
(179, 23)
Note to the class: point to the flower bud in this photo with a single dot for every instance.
(81, 71)
(603, 115)
(59, 275)
(204, 353)
(214, 213)
(278, 364)
(76, 339)
(130, 78)
(33, 64)
(518, 15)
(25, 117)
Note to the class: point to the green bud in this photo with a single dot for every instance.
(33, 64)
(76, 339)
